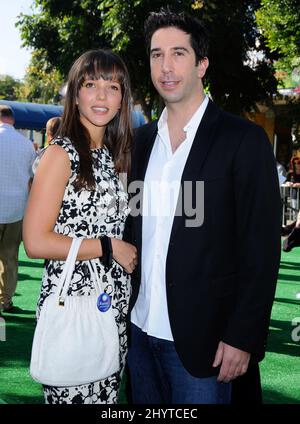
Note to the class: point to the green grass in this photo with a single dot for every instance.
(16, 385)
(280, 371)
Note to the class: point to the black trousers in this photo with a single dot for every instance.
(247, 388)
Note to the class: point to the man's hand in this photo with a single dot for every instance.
(234, 362)
(125, 254)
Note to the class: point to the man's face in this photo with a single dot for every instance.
(173, 66)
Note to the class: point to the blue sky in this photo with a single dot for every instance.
(13, 58)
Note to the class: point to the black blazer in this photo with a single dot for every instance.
(220, 276)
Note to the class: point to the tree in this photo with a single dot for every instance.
(42, 82)
(64, 29)
(8, 87)
(279, 21)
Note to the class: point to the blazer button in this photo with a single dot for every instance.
(170, 284)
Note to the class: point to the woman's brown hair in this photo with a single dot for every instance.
(96, 64)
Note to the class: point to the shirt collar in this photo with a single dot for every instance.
(196, 118)
(4, 125)
(163, 119)
(194, 121)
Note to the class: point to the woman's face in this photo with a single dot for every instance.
(297, 166)
(98, 102)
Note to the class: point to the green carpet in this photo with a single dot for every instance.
(280, 370)
(16, 385)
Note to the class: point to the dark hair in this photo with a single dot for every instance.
(96, 64)
(53, 125)
(166, 18)
(6, 112)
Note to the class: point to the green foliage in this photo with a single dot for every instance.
(241, 71)
(280, 22)
(42, 82)
(64, 29)
(8, 87)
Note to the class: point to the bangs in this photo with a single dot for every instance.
(103, 65)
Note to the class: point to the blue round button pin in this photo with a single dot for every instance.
(103, 302)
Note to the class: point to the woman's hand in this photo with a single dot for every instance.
(125, 254)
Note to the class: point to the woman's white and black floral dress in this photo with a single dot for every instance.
(91, 214)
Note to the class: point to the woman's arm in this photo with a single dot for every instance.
(43, 207)
(42, 210)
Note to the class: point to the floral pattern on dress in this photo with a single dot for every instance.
(91, 214)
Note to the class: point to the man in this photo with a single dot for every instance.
(204, 288)
(16, 158)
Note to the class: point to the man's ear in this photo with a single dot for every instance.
(202, 67)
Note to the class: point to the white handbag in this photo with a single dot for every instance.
(74, 343)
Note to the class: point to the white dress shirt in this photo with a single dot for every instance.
(16, 157)
(161, 190)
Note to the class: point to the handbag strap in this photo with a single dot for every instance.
(66, 276)
(94, 274)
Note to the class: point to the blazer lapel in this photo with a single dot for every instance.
(146, 142)
(146, 146)
(199, 150)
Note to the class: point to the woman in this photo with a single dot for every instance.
(293, 180)
(77, 192)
